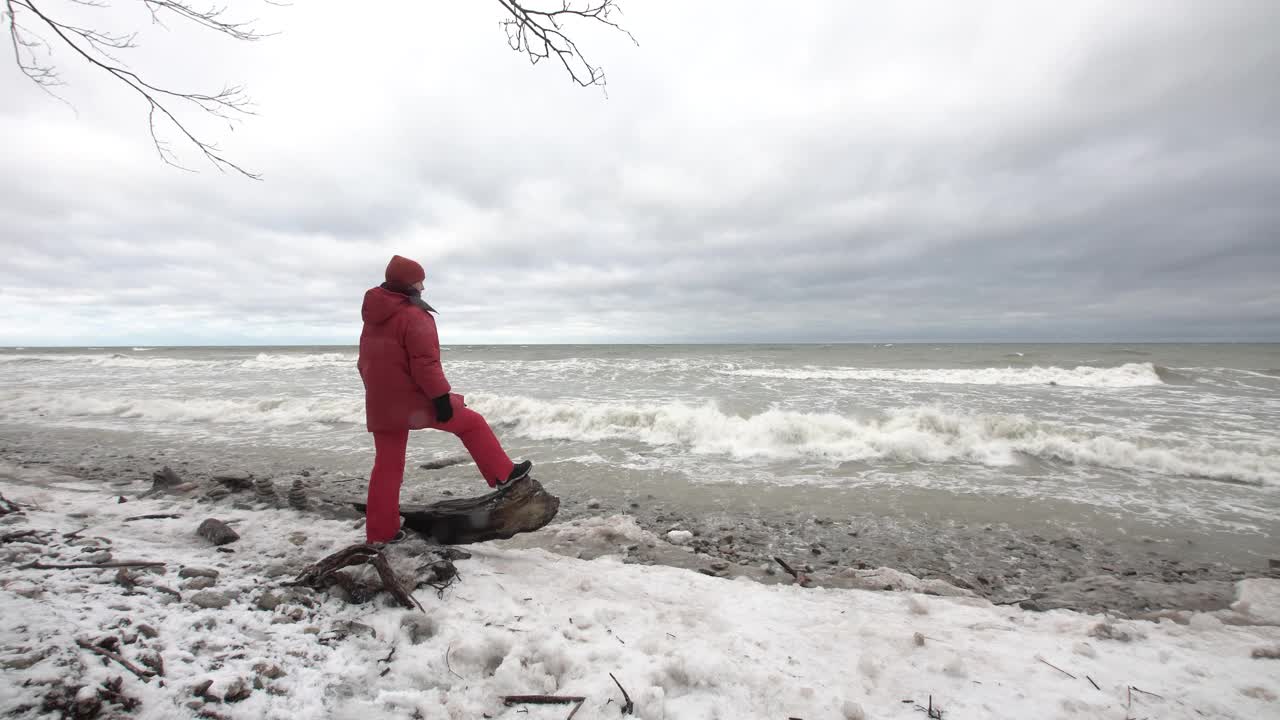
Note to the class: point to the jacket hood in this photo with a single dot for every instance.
(380, 304)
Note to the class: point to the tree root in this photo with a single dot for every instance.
(326, 572)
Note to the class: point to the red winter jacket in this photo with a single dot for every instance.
(399, 362)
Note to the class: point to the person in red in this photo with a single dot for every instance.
(405, 389)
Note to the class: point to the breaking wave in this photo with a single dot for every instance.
(917, 434)
(263, 361)
(267, 361)
(920, 434)
(267, 411)
(1123, 376)
(114, 360)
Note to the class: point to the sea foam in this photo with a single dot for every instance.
(911, 434)
(1127, 375)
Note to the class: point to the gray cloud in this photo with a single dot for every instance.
(998, 171)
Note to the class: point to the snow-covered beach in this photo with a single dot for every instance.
(236, 643)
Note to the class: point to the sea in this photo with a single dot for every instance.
(1171, 442)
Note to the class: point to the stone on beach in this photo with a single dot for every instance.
(217, 532)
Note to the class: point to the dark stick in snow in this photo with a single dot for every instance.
(1144, 692)
(157, 516)
(799, 577)
(82, 566)
(629, 707)
(146, 675)
(546, 700)
(446, 661)
(1055, 667)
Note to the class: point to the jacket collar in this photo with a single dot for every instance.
(411, 292)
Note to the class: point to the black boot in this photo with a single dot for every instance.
(519, 472)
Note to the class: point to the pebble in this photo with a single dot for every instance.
(343, 629)
(165, 478)
(237, 691)
(679, 537)
(24, 588)
(199, 583)
(268, 601)
(271, 672)
(420, 627)
(22, 662)
(202, 691)
(210, 600)
(217, 532)
(265, 490)
(217, 493)
(593, 504)
(195, 572)
(147, 631)
(297, 495)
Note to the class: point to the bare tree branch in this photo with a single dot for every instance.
(540, 34)
(96, 47)
(211, 19)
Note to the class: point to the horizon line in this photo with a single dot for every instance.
(132, 346)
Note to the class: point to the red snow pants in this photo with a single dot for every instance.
(383, 512)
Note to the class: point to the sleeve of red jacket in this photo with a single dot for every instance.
(423, 345)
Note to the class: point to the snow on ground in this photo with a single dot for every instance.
(525, 621)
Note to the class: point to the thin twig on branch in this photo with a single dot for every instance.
(97, 48)
(540, 34)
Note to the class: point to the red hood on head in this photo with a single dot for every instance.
(380, 304)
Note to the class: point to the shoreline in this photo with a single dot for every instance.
(1053, 570)
(216, 632)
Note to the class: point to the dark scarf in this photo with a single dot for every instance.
(411, 292)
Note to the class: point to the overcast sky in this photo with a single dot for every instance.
(842, 171)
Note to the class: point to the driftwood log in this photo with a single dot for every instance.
(524, 506)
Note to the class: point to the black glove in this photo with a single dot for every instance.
(444, 408)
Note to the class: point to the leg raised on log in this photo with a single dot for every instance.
(523, 506)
